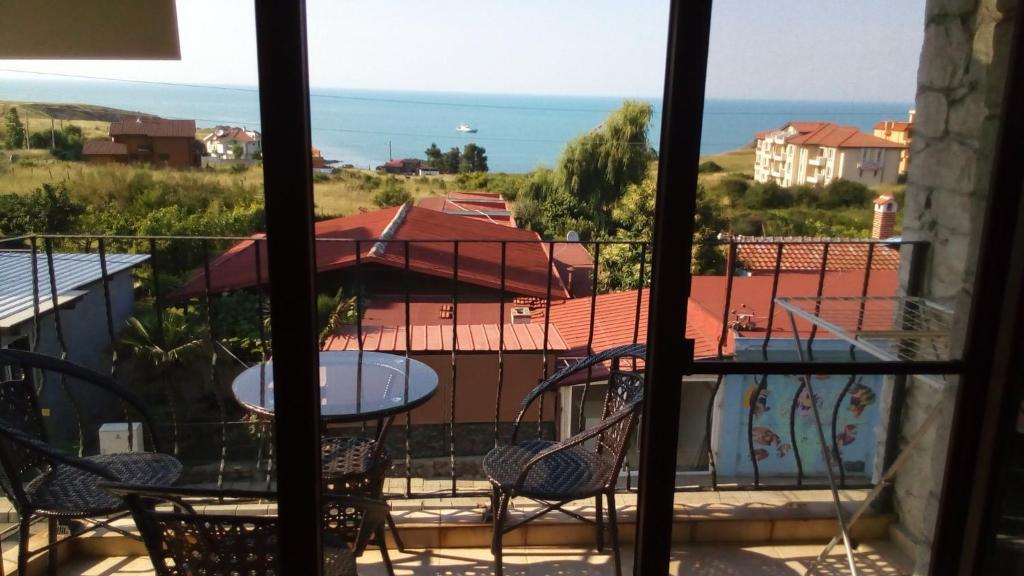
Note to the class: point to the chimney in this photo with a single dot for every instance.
(910, 116)
(521, 315)
(885, 217)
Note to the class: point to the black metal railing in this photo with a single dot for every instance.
(204, 337)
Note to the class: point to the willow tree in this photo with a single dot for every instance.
(598, 166)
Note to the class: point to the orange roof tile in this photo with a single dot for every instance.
(834, 136)
(154, 128)
(431, 252)
(435, 338)
(758, 255)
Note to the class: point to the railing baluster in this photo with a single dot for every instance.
(101, 250)
(501, 346)
(58, 326)
(266, 430)
(547, 331)
(455, 347)
(817, 301)
(792, 434)
(730, 268)
(590, 336)
(159, 313)
(214, 378)
(762, 385)
(408, 351)
(359, 330)
(34, 342)
(849, 384)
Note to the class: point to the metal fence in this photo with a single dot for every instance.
(222, 445)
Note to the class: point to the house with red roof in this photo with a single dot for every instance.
(401, 249)
(818, 153)
(232, 142)
(759, 255)
(156, 141)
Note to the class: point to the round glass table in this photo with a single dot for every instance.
(354, 386)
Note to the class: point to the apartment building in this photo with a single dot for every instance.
(816, 153)
(898, 131)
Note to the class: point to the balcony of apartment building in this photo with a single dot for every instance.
(491, 318)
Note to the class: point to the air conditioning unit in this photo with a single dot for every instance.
(114, 437)
(521, 315)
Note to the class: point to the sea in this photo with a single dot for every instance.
(365, 128)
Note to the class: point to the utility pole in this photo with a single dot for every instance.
(389, 151)
(53, 136)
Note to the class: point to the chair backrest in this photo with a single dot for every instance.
(19, 409)
(182, 541)
(625, 392)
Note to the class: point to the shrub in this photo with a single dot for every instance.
(709, 167)
(769, 195)
(392, 193)
(239, 168)
(843, 193)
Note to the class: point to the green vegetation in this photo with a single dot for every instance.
(472, 158)
(14, 131)
(391, 193)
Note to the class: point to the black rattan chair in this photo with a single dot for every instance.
(40, 480)
(184, 542)
(356, 466)
(582, 466)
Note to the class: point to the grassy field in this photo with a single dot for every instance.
(93, 120)
(736, 161)
(340, 194)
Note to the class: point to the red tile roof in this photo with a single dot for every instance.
(435, 338)
(893, 126)
(757, 255)
(431, 252)
(230, 133)
(485, 206)
(154, 128)
(615, 313)
(834, 136)
(614, 320)
(575, 265)
(104, 148)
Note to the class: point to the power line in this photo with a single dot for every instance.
(448, 103)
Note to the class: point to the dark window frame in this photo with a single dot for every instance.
(284, 101)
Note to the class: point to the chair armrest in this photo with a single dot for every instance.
(52, 364)
(52, 454)
(572, 441)
(554, 381)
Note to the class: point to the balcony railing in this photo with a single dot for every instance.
(212, 307)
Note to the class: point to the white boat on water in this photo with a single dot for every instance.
(465, 128)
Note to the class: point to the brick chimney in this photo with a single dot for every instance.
(885, 217)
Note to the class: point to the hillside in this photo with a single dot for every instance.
(93, 120)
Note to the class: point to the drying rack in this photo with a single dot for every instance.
(891, 329)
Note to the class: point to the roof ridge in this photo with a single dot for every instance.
(389, 231)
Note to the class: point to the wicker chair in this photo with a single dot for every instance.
(42, 481)
(556, 473)
(356, 466)
(184, 542)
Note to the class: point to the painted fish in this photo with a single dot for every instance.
(760, 454)
(860, 398)
(764, 436)
(783, 450)
(848, 435)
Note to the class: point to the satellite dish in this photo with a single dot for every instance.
(573, 236)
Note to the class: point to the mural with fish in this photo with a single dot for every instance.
(766, 404)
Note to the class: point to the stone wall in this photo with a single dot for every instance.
(960, 88)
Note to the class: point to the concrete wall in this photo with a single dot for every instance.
(851, 157)
(960, 88)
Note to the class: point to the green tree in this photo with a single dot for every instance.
(64, 144)
(597, 167)
(237, 151)
(47, 210)
(14, 131)
(845, 193)
(452, 160)
(435, 157)
(474, 158)
(391, 193)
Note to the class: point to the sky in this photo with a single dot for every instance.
(862, 50)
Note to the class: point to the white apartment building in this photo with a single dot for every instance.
(816, 153)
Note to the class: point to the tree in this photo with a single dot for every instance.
(435, 157)
(452, 159)
(845, 193)
(474, 159)
(15, 132)
(237, 151)
(597, 167)
(65, 144)
(47, 210)
(392, 193)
